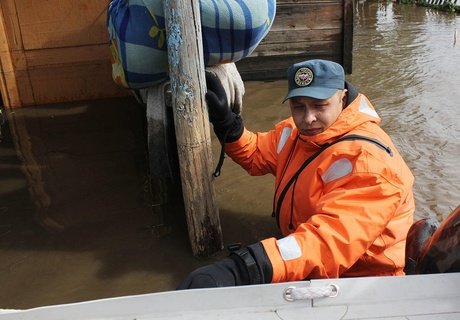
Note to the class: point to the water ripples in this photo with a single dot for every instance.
(406, 62)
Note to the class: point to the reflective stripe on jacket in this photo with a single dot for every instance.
(349, 210)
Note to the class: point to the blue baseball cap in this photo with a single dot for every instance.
(318, 79)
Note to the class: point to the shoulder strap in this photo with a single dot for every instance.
(350, 137)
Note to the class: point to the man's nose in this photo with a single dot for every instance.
(309, 116)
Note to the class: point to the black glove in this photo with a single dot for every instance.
(248, 265)
(228, 126)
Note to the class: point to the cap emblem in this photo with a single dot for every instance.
(303, 77)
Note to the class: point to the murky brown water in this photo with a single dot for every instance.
(85, 166)
(406, 61)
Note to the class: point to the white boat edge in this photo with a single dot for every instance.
(420, 297)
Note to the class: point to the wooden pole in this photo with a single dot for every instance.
(348, 17)
(186, 67)
(165, 187)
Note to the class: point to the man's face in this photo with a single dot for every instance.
(313, 116)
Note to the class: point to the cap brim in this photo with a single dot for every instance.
(312, 92)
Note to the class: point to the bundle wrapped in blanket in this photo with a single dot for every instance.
(231, 31)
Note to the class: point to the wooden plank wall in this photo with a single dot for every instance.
(303, 29)
(54, 51)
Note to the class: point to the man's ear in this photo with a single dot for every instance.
(344, 98)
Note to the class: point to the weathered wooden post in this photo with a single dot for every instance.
(186, 66)
(165, 186)
(347, 49)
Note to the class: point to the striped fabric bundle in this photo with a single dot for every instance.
(231, 30)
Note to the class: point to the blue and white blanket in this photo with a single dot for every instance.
(231, 31)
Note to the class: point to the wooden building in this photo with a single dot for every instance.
(57, 51)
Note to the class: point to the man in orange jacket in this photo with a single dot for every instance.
(343, 193)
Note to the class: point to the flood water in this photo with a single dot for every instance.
(406, 60)
(76, 217)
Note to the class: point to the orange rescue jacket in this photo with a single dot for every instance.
(348, 212)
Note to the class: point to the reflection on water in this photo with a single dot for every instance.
(85, 166)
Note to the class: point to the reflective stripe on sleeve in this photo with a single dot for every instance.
(338, 169)
(289, 248)
(284, 137)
